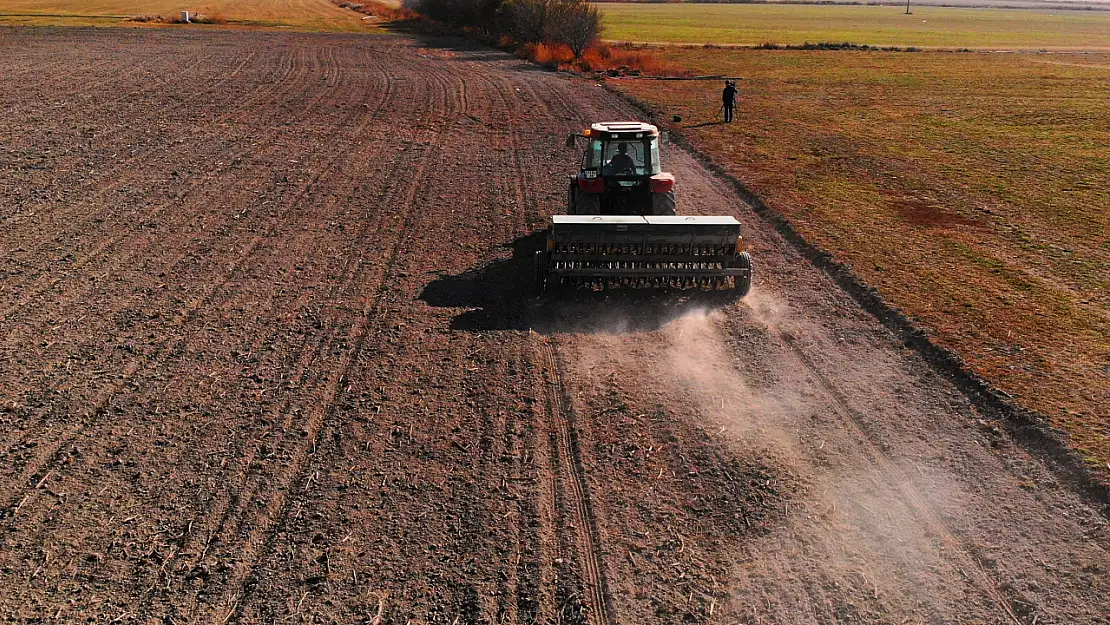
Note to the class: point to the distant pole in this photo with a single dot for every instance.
(908, 8)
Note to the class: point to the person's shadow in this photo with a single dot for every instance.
(501, 295)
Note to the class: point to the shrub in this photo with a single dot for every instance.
(575, 24)
(550, 55)
(481, 14)
(527, 20)
(624, 61)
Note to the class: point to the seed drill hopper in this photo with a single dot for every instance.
(621, 230)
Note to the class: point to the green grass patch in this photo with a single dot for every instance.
(754, 24)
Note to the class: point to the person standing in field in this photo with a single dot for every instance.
(728, 98)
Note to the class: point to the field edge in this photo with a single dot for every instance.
(1029, 428)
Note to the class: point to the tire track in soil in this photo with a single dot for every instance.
(260, 540)
(895, 477)
(523, 578)
(535, 582)
(148, 598)
(123, 171)
(566, 475)
(135, 250)
(182, 253)
(53, 451)
(227, 508)
(114, 183)
(473, 517)
(306, 109)
(307, 355)
(512, 594)
(598, 608)
(278, 509)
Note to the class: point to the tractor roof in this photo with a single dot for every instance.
(606, 128)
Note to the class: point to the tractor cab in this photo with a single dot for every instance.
(623, 153)
(621, 172)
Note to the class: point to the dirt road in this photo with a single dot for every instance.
(268, 356)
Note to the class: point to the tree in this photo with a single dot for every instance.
(477, 13)
(528, 19)
(576, 24)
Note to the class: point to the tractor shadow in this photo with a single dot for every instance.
(500, 295)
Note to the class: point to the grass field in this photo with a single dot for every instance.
(313, 15)
(753, 24)
(970, 189)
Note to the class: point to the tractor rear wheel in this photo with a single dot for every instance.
(585, 203)
(744, 283)
(663, 203)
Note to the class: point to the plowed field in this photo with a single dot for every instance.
(267, 355)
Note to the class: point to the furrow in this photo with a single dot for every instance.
(49, 453)
(263, 530)
(599, 610)
(895, 476)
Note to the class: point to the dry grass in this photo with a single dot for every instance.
(311, 15)
(626, 59)
(970, 189)
(548, 55)
(605, 57)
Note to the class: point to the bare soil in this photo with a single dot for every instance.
(267, 354)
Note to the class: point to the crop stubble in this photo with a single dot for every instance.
(266, 355)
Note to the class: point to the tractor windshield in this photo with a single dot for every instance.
(624, 157)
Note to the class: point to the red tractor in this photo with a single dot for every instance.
(621, 172)
(621, 229)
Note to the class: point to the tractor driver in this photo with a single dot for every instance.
(621, 161)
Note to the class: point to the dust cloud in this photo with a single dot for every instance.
(852, 526)
(700, 363)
